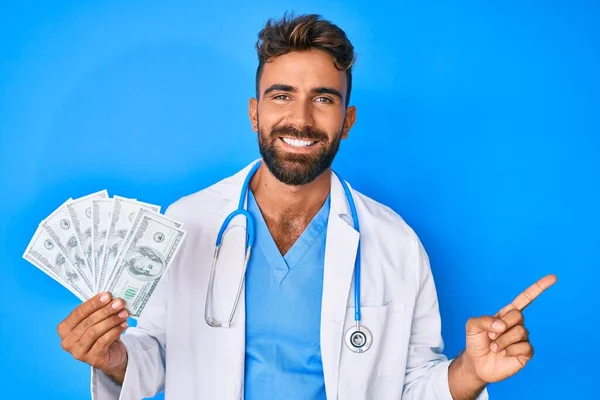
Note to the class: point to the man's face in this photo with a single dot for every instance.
(301, 115)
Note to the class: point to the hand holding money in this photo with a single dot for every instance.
(118, 247)
(91, 334)
(99, 244)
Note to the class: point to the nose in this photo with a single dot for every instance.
(301, 114)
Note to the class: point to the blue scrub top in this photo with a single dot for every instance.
(283, 313)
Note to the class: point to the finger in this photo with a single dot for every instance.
(513, 335)
(511, 318)
(522, 350)
(98, 316)
(98, 353)
(529, 294)
(82, 312)
(94, 332)
(478, 325)
(70, 341)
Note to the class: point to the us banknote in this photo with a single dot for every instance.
(95, 243)
(80, 211)
(141, 213)
(144, 260)
(59, 227)
(45, 254)
(101, 215)
(122, 219)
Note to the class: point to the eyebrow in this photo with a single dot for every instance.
(317, 90)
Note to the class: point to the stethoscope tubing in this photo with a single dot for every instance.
(250, 238)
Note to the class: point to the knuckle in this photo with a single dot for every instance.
(80, 312)
(521, 331)
(65, 345)
(88, 335)
(94, 303)
(91, 332)
(91, 361)
(77, 332)
(519, 316)
(505, 310)
(60, 329)
(107, 311)
(86, 323)
(78, 354)
(528, 295)
(102, 341)
(94, 361)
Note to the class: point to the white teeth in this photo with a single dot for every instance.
(297, 142)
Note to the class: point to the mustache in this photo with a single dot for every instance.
(307, 132)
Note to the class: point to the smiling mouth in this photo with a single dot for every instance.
(298, 142)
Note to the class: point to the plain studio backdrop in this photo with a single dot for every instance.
(478, 122)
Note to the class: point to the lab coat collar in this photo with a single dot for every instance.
(340, 253)
(230, 188)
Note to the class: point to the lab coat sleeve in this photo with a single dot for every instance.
(145, 343)
(427, 367)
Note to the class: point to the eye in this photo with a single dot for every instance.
(281, 97)
(325, 100)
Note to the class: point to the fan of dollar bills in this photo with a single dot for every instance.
(96, 243)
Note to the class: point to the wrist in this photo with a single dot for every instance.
(469, 371)
(463, 380)
(117, 373)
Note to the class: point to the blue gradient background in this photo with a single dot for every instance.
(477, 121)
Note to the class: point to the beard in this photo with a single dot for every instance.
(297, 169)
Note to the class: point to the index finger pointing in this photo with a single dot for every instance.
(529, 294)
(83, 311)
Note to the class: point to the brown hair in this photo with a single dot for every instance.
(303, 33)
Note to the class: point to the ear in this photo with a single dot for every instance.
(349, 121)
(253, 113)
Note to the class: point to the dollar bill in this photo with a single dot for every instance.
(59, 227)
(122, 219)
(80, 211)
(144, 259)
(101, 215)
(44, 253)
(140, 214)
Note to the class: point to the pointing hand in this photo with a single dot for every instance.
(499, 346)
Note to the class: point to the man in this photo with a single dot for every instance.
(287, 336)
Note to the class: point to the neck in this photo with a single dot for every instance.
(280, 201)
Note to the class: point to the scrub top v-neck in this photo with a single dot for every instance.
(283, 313)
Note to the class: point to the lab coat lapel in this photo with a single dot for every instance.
(340, 253)
(230, 342)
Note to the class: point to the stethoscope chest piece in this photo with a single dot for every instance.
(358, 339)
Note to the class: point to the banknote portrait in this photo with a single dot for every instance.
(144, 263)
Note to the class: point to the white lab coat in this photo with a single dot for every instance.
(172, 348)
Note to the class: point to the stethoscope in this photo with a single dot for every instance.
(358, 337)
